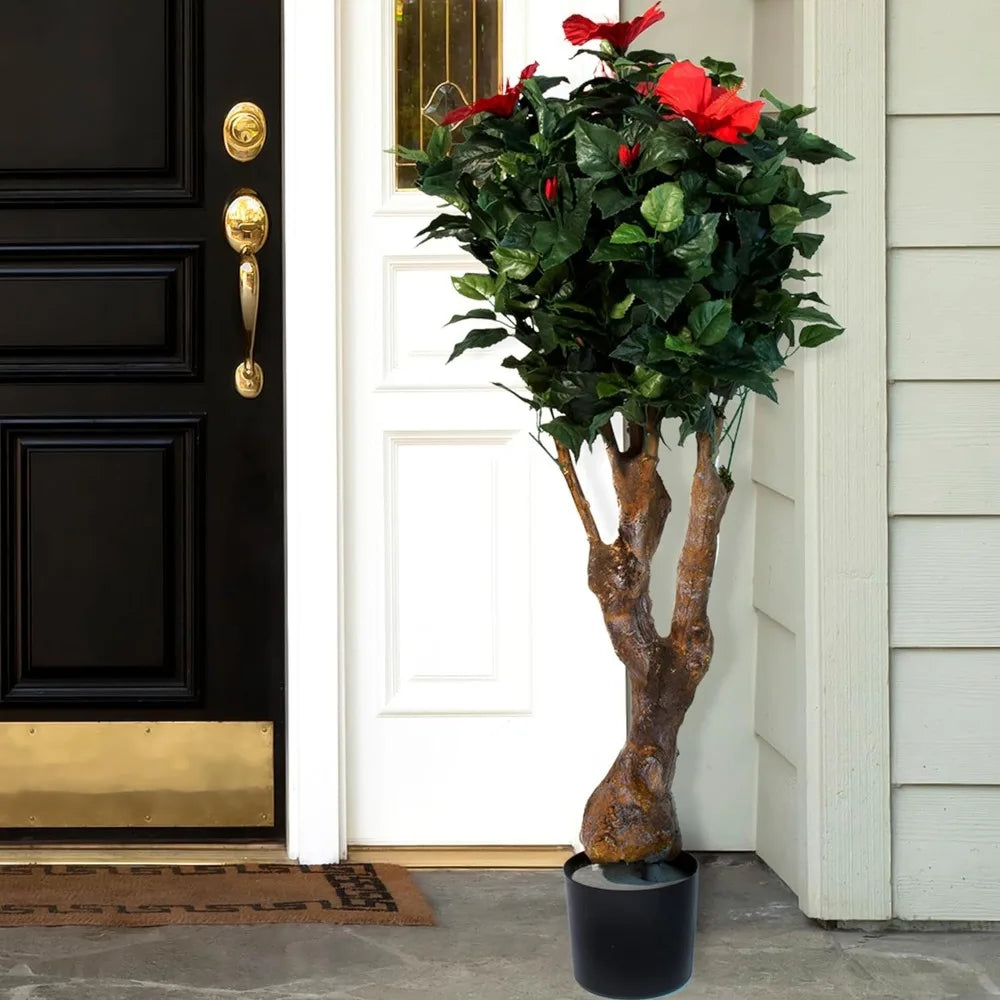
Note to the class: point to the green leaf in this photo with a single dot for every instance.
(607, 251)
(472, 314)
(474, 285)
(597, 149)
(784, 219)
(649, 383)
(662, 295)
(629, 233)
(408, 153)
(680, 346)
(619, 309)
(697, 250)
(558, 240)
(759, 190)
(709, 323)
(609, 386)
(545, 112)
(663, 207)
(788, 112)
(814, 149)
(664, 151)
(767, 350)
(566, 433)
(797, 274)
(725, 71)
(816, 315)
(611, 201)
(515, 264)
(439, 143)
(816, 334)
(477, 156)
(807, 243)
(479, 338)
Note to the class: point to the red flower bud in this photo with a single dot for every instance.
(551, 188)
(628, 156)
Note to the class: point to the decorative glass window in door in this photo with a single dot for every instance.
(448, 53)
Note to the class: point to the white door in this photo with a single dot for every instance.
(484, 701)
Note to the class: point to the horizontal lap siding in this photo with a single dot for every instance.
(944, 456)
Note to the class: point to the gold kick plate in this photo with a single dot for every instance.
(136, 774)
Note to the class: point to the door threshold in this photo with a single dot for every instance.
(463, 857)
(143, 854)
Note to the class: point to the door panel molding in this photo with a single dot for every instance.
(158, 337)
(165, 168)
(153, 646)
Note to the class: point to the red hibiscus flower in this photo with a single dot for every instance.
(712, 110)
(628, 156)
(501, 104)
(551, 188)
(620, 34)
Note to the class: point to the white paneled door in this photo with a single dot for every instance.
(483, 699)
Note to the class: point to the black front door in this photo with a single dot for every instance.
(141, 496)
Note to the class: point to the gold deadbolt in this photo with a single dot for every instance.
(245, 223)
(244, 131)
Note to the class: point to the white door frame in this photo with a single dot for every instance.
(846, 780)
(316, 822)
(314, 712)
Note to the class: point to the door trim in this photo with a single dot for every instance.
(316, 787)
(314, 674)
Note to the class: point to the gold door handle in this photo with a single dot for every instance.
(245, 223)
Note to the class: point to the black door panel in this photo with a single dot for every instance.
(141, 498)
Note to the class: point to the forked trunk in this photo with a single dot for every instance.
(631, 815)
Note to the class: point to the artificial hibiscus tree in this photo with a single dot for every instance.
(638, 240)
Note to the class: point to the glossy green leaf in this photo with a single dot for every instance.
(479, 338)
(663, 207)
(816, 334)
(439, 143)
(629, 233)
(566, 433)
(597, 149)
(620, 309)
(662, 295)
(515, 264)
(709, 323)
(474, 286)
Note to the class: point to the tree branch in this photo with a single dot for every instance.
(690, 632)
(576, 491)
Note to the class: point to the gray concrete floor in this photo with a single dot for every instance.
(502, 936)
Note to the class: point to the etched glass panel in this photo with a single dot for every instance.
(448, 52)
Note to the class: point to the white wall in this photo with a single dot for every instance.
(944, 456)
(716, 784)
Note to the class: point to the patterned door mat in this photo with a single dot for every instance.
(152, 895)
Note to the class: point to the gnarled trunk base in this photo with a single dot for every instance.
(631, 815)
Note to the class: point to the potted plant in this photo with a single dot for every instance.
(638, 240)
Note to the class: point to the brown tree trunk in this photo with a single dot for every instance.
(631, 815)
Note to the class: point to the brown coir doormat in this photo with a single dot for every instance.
(152, 895)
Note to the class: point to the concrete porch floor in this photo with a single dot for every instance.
(502, 936)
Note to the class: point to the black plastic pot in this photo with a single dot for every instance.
(633, 944)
